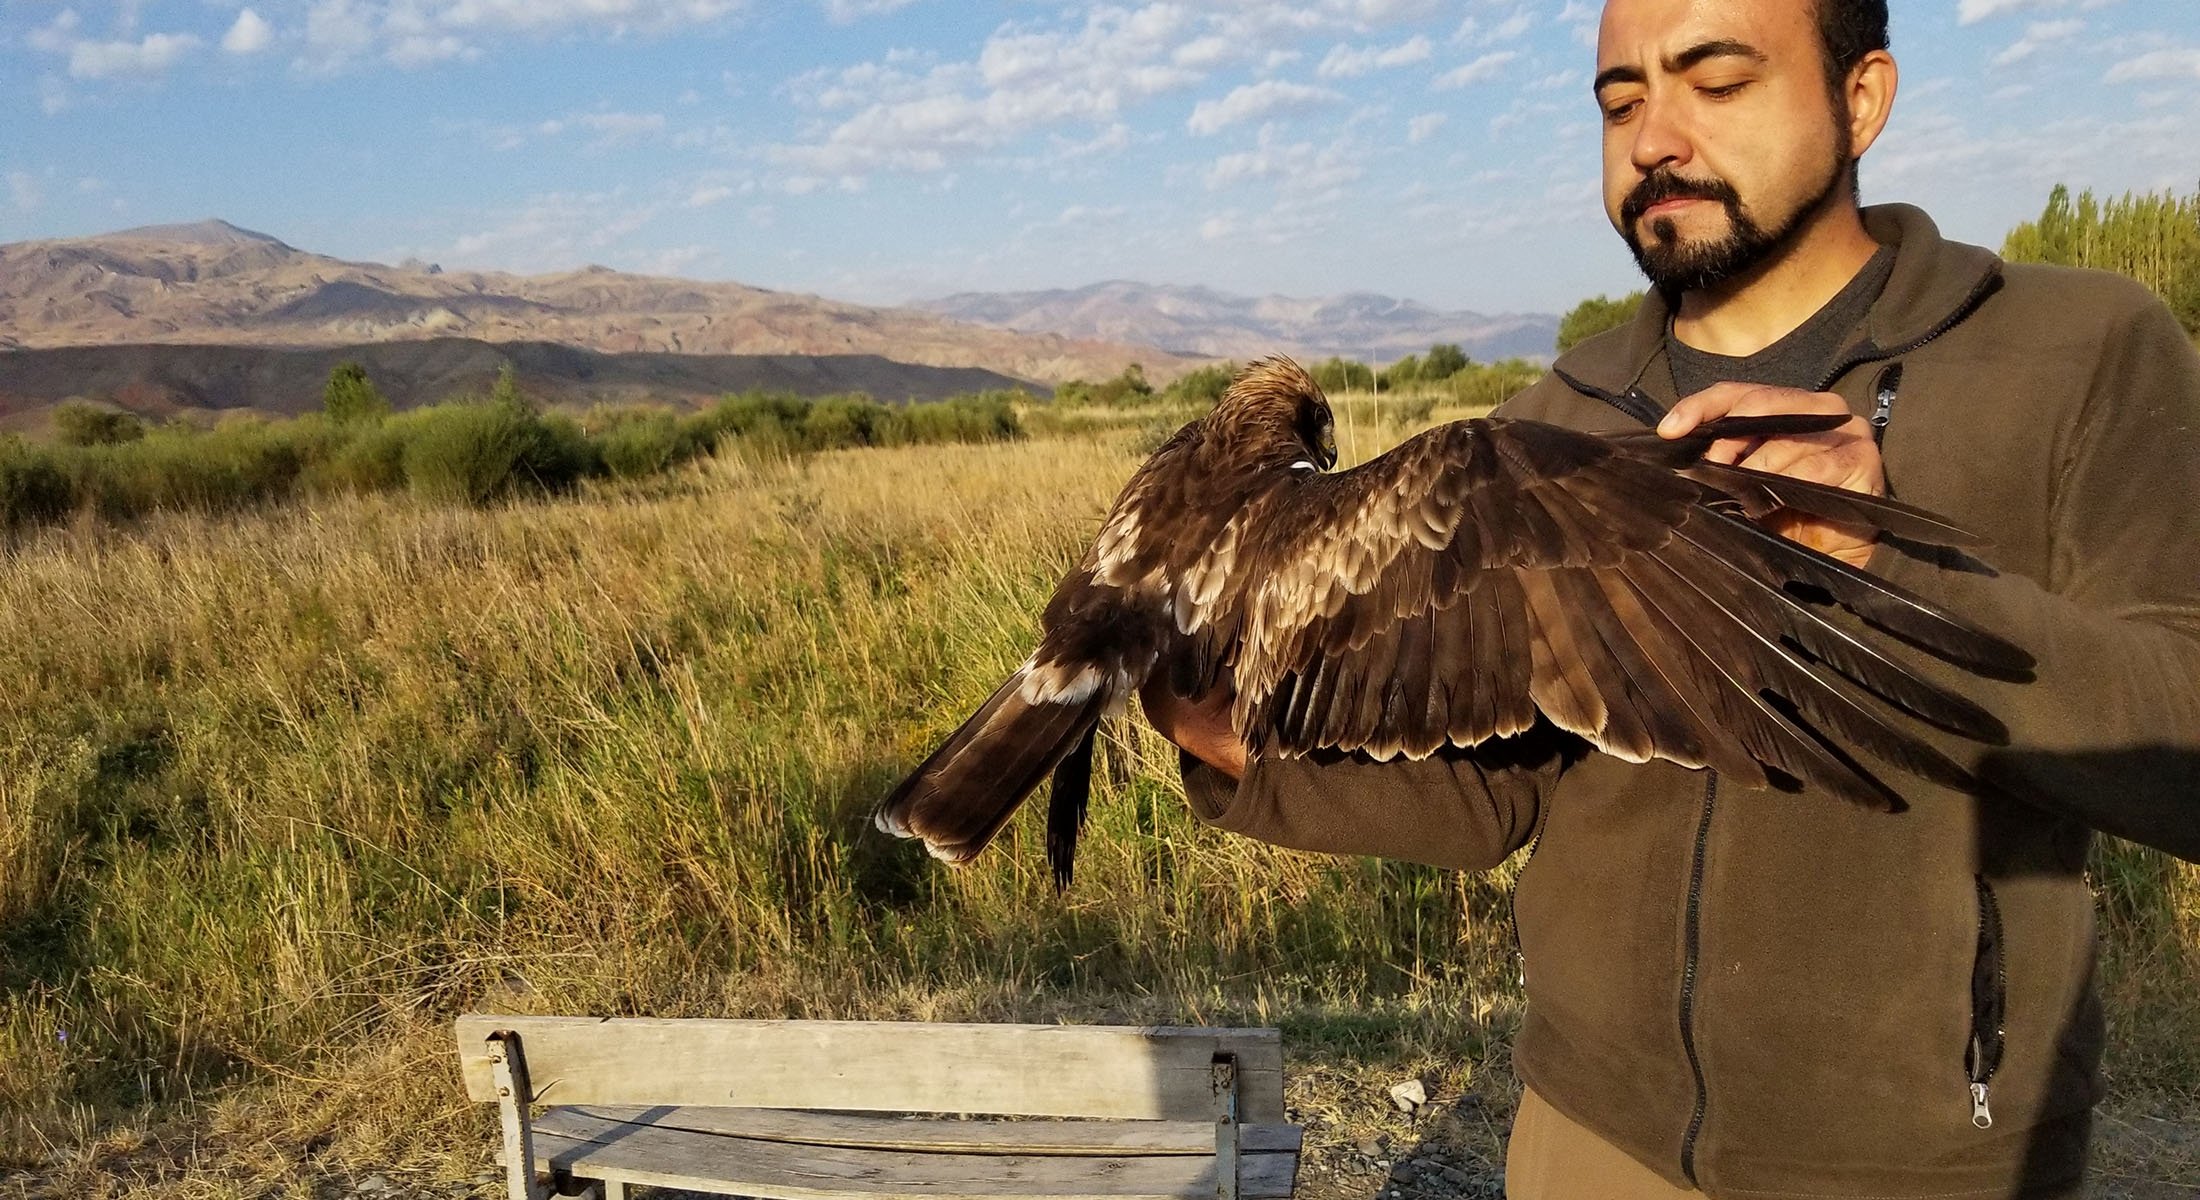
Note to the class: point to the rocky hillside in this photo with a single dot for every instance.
(1202, 321)
(173, 381)
(212, 283)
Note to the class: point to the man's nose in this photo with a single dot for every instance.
(1661, 138)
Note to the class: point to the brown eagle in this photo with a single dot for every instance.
(1478, 579)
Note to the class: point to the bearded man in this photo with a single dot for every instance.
(1757, 994)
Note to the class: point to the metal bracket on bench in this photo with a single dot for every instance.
(508, 1067)
(1225, 1081)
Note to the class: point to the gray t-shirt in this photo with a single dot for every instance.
(1799, 360)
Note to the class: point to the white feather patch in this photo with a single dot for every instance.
(1057, 683)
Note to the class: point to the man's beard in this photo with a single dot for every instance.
(1674, 266)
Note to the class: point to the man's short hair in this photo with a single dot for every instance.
(1847, 31)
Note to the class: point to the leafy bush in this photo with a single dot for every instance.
(32, 489)
(464, 453)
(1128, 388)
(1202, 386)
(1594, 316)
(372, 459)
(1344, 375)
(77, 423)
(645, 444)
(351, 398)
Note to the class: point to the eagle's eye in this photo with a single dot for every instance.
(1328, 446)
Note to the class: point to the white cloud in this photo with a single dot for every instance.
(1424, 127)
(148, 56)
(2158, 64)
(1255, 101)
(417, 33)
(1022, 81)
(1481, 70)
(249, 35)
(2036, 35)
(1295, 166)
(553, 232)
(1346, 62)
(1511, 27)
(57, 35)
(1971, 12)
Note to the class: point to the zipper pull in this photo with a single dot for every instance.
(1981, 1116)
(1890, 385)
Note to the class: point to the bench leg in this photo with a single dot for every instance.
(1226, 1127)
(508, 1067)
(614, 1189)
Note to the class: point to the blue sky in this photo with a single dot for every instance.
(885, 150)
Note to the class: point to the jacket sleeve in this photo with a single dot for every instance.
(2108, 732)
(1447, 810)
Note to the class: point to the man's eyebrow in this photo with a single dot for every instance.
(1723, 48)
(1719, 48)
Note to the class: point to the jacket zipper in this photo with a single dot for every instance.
(1512, 908)
(1989, 1000)
(1883, 396)
(1693, 941)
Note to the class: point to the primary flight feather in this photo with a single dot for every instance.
(1478, 580)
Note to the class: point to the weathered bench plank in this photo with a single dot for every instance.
(1065, 1138)
(596, 1148)
(1027, 1070)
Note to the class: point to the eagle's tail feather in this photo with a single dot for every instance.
(962, 795)
(1067, 802)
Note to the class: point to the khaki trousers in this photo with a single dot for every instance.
(1550, 1158)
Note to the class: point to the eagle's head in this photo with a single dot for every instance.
(1274, 406)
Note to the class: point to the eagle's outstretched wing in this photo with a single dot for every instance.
(1488, 571)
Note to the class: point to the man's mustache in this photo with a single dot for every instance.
(1660, 186)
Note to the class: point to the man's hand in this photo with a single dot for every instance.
(1200, 726)
(1846, 457)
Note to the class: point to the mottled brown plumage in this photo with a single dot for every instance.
(1481, 579)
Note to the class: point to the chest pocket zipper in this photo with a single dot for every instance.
(1989, 998)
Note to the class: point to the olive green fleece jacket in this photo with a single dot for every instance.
(1774, 995)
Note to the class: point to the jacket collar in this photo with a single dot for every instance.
(1935, 284)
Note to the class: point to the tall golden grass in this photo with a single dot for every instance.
(278, 793)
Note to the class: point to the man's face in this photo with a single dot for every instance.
(1720, 135)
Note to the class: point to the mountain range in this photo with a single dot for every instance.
(214, 283)
(1207, 323)
(209, 316)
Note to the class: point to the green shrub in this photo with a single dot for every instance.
(77, 423)
(464, 453)
(371, 459)
(32, 489)
(1202, 386)
(643, 445)
(1595, 315)
(351, 398)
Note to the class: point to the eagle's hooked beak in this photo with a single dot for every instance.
(1328, 447)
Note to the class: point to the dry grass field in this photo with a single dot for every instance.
(281, 792)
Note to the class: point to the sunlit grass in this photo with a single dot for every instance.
(279, 792)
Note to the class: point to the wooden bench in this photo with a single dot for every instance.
(793, 1109)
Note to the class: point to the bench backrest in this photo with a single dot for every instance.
(1154, 1073)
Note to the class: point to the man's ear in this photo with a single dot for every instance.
(1869, 89)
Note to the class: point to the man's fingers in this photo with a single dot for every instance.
(1707, 405)
(1743, 400)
